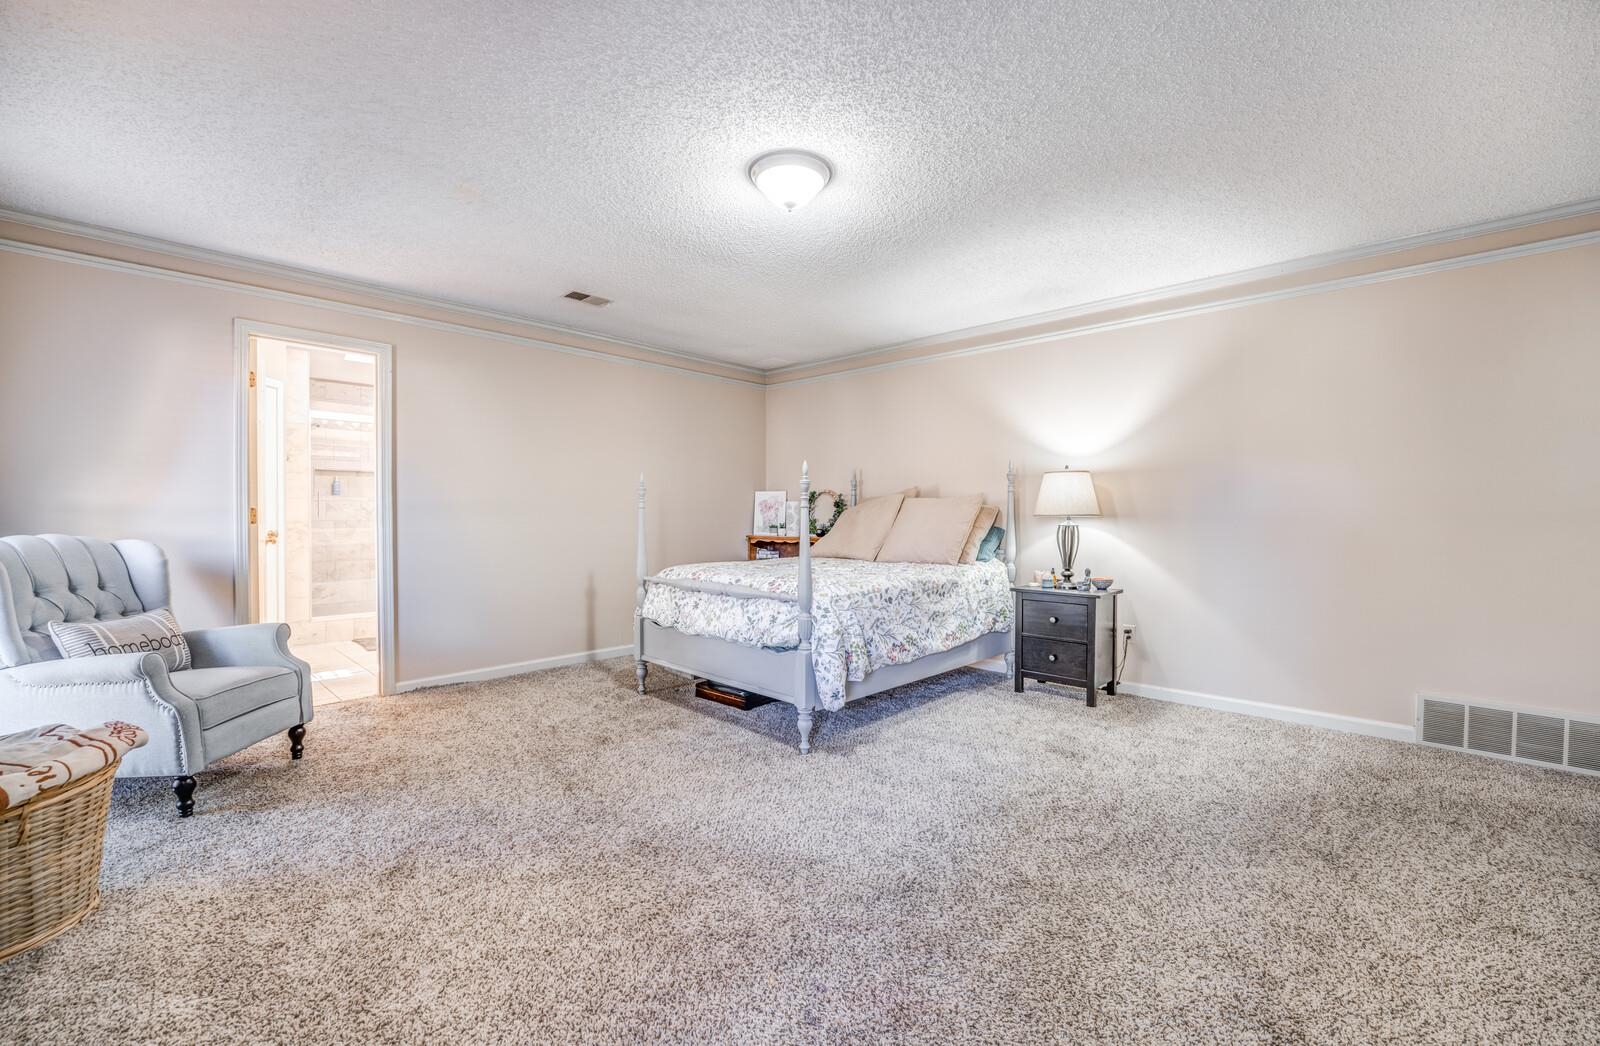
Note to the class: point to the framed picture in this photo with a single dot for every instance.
(769, 514)
(791, 518)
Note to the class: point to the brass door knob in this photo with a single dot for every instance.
(272, 537)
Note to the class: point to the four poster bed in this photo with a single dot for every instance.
(816, 632)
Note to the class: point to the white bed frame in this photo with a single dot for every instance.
(787, 675)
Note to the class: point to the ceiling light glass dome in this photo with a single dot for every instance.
(790, 178)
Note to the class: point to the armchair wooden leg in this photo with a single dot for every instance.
(297, 736)
(183, 788)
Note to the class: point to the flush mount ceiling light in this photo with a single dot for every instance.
(790, 179)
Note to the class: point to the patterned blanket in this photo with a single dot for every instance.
(865, 615)
(50, 756)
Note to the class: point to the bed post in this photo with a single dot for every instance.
(640, 669)
(1011, 553)
(855, 475)
(1011, 522)
(803, 677)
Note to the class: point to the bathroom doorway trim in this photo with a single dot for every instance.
(243, 331)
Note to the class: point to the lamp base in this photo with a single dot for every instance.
(1067, 545)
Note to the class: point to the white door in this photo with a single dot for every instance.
(269, 478)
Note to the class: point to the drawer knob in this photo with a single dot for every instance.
(1053, 619)
(1052, 657)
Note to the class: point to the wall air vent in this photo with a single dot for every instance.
(1523, 735)
(587, 298)
(1490, 730)
(1541, 738)
(1443, 723)
(1583, 746)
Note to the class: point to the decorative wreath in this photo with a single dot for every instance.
(819, 525)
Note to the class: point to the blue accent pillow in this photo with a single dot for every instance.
(990, 543)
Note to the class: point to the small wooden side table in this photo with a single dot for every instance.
(788, 547)
(1066, 636)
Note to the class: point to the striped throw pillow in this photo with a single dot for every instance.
(155, 632)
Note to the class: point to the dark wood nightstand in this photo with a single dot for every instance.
(1065, 636)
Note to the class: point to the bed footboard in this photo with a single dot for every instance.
(724, 664)
(641, 668)
(805, 683)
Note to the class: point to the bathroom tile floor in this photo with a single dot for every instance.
(340, 671)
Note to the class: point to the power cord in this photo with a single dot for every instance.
(1122, 662)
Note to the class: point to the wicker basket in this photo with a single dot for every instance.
(50, 850)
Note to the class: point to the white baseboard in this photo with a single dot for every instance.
(1348, 724)
(476, 675)
(1286, 713)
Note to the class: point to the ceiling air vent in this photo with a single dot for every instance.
(587, 298)
(1522, 735)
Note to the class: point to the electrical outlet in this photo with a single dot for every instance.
(1128, 630)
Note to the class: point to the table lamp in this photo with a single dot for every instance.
(1069, 493)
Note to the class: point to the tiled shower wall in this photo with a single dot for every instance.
(344, 587)
(329, 537)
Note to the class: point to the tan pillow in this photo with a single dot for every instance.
(980, 529)
(931, 530)
(860, 530)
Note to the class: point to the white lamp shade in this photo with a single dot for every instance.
(790, 179)
(1067, 493)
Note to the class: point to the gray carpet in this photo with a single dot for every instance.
(954, 863)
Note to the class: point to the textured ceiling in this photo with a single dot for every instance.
(993, 160)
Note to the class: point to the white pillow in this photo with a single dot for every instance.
(155, 632)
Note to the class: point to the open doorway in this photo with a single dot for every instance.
(314, 538)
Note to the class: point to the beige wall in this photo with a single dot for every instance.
(515, 467)
(1296, 490)
(1330, 502)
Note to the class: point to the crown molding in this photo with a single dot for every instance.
(96, 261)
(1208, 284)
(1158, 316)
(343, 284)
(774, 378)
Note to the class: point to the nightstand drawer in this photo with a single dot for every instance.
(1062, 658)
(1055, 618)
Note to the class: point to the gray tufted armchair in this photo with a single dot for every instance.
(243, 685)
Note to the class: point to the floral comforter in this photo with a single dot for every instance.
(864, 615)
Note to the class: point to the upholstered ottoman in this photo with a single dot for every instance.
(55, 791)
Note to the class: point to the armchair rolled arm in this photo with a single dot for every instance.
(264, 644)
(88, 691)
(251, 646)
(90, 671)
